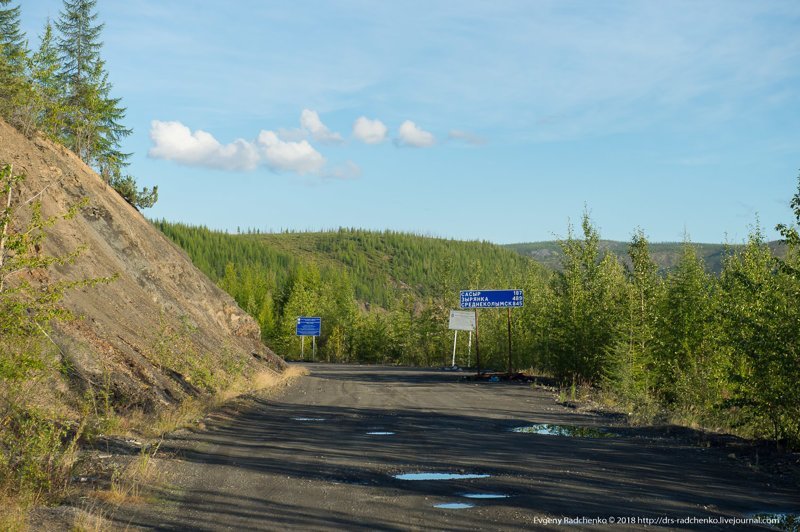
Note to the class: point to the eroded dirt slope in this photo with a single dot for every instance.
(159, 302)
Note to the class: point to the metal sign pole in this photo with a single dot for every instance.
(509, 343)
(469, 349)
(455, 339)
(313, 348)
(477, 346)
(303, 347)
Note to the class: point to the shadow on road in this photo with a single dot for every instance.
(545, 475)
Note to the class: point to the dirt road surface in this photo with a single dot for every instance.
(304, 460)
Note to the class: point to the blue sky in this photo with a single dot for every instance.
(473, 120)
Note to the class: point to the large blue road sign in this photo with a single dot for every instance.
(308, 326)
(491, 298)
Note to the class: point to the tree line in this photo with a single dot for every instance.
(61, 89)
(716, 350)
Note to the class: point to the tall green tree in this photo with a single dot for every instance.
(589, 296)
(79, 46)
(14, 86)
(762, 323)
(46, 103)
(685, 331)
(93, 119)
(630, 372)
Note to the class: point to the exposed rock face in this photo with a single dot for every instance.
(159, 300)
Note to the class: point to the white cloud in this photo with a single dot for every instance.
(466, 136)
(299, 157)
(369, 131)
(310, 122)
(411, 134)
(175, 142)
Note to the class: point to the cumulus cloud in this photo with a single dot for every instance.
(310, 122)
(411, 134)
(174, 141)
(299, 157)
(466, 136)
(369, 131)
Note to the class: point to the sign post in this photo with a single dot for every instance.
(460, 321)
(510, 368)
(507, 299)
(455, 341)
(308, 326)
(469, 349)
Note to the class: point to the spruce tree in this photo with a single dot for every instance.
(47, 110)
(631, 359)
(14, 86)
(92, 126)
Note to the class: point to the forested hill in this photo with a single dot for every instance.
(665, 254)
(378, 264)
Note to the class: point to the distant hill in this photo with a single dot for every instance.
(377, 262)
(665, 254)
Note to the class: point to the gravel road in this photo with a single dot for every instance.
(304, 459)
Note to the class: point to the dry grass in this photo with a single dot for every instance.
(93, 519)
(295, 371)
(127, 484)
(192, 410)
(13, 515)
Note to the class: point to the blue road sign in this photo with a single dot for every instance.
(308, 326)
(491, 298)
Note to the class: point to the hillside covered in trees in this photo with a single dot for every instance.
(383, 296)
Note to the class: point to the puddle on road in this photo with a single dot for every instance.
(787, 521)
(485, 495)
(308, 418)
(454, 505)
(380, 433)
(439, 476)
(571, 431)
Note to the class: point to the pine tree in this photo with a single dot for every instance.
(760, 313)
(14, 87)
(79, 46)
(630, 371)
(588, 305)
(93, 129)
(93, 126)
(47, 112)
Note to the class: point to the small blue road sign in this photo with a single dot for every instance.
(491, 298)
(308, 326)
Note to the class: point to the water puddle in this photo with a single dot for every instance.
(485, 495)
(380, 433)
(779, 521)
(571, 431)
(308, 418)
(438, 476)
(454, 505)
